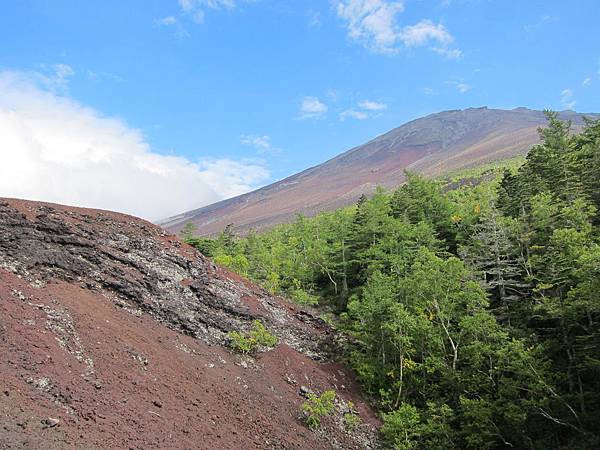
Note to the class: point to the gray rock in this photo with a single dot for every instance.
(304, 391)
(50, 422)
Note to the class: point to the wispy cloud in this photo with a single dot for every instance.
(541, 21)
(374, 23)
(314, 19)
(63, 72)
(312, 108)
(423, 32)
(586, 81)
(366, 109)
(258, 142)
(371, 105)
(448, 53)
(262, 144)
(166, 21)
(354, 114)
(460, 86)
(566, 98)
(196, 8)
(54, 77)
(172, 22)
(101, 76)
(463, 87)
(56, 149)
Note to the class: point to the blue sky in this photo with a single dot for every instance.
(262, 89)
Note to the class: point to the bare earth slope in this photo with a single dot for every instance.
(432, 145)
(112, 335)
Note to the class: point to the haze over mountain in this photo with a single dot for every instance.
(433, 145)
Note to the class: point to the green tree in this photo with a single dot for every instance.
(493, 251)
(188, 231)
(422, 200)
(429, 337)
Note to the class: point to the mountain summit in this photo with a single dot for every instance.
(432, 145)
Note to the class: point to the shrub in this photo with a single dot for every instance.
(351, 421)
(241, 343)
(261, 336)
(238, 263)
(206, 246)
(258, 336)
(317, 407)
(302, 297)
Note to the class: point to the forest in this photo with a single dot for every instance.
(471, 305)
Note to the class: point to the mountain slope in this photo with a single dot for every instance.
(433, 145)
(113, 333)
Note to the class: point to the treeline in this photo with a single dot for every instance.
(474, 313)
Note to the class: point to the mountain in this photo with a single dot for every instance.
(433, 145)
(113, 334)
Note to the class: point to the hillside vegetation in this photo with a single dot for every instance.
(472, 313)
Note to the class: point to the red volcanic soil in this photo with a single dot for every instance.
(113, 335)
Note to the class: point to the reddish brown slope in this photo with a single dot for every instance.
(115, 329)
(432, 145)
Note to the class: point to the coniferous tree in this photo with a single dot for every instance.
(493, 252)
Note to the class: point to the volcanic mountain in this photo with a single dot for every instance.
(432, 145)
(114, 334)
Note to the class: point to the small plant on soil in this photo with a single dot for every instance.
(260, 334)
(247, 343)
(351, 421)
(240, 343)
(317, 407)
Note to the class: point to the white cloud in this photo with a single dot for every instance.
(312, 108)
(63, 72)
(566, 99)
(358, 115)
(586, 82)
(314, 19)
(463, 87)
(371, 21)
(229, 177)
(54, 76)
(428, 91)
(372, 105)
(459, 86)
(448, 53)
(166, 21)
(262, 144)
(259, 142)
(101, 76)
(196, 8)
(187, 5)
(423, 32)
(55, 149)
(366, 109)
(374, 23)
(540, 22)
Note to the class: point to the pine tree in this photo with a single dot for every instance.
(494, 254)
